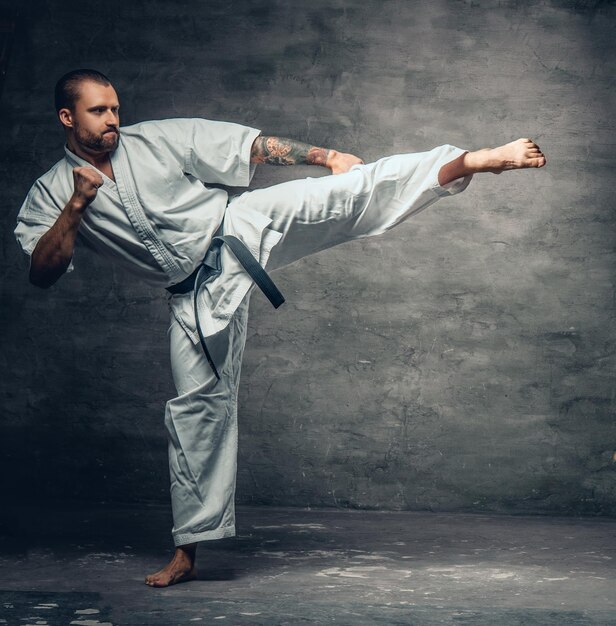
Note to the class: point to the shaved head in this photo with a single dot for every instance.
(67, 88)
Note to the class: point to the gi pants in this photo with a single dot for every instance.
(312, 214)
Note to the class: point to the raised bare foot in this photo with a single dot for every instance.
(180, 569)
(515, 155)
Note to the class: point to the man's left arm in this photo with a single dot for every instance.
(283, 151)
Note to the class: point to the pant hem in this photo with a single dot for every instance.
(207, 535)
(454, 186)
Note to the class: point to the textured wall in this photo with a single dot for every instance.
(463, 361)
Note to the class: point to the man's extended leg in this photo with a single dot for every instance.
(202, 428)
(313, 214)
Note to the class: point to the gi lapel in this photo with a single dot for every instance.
(137, 217)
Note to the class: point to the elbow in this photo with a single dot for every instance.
(39, 279)
(43, 273)
(38, 282)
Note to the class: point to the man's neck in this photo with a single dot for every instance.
(100, 160)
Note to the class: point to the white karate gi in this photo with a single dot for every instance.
(157, 219)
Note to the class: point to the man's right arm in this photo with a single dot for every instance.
(54, 250)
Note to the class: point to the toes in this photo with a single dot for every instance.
(532, 146)
(168, 577)
(153, 581)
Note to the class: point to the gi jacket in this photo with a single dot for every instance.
(158, 217)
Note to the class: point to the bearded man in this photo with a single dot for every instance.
(140, 195)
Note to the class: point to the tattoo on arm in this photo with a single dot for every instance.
(282, 151)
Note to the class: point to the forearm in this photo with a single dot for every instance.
(283, 151)
(54, 250)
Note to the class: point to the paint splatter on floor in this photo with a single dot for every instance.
(34, 608)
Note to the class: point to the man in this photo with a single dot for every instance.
(136, 195)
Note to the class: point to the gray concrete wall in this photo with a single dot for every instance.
(463, 361)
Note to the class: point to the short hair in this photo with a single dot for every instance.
(67, 88)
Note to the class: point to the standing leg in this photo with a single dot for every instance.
(202, 427)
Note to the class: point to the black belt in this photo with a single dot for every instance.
(211, 266)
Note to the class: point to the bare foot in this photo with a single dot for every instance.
(515, 155)
(180, 569)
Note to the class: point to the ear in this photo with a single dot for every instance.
(66, 118)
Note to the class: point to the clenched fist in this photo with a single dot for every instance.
(86, 183)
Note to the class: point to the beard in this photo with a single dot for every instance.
(97, 142)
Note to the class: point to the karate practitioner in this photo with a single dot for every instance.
(140, 195)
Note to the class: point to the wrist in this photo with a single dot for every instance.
(317, 156)
(331, 158)
(77, 204)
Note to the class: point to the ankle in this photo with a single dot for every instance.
(188, 550)
(472, 161)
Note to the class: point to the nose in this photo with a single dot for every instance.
(112, 119)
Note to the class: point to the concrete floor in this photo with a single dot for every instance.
(76, 565)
